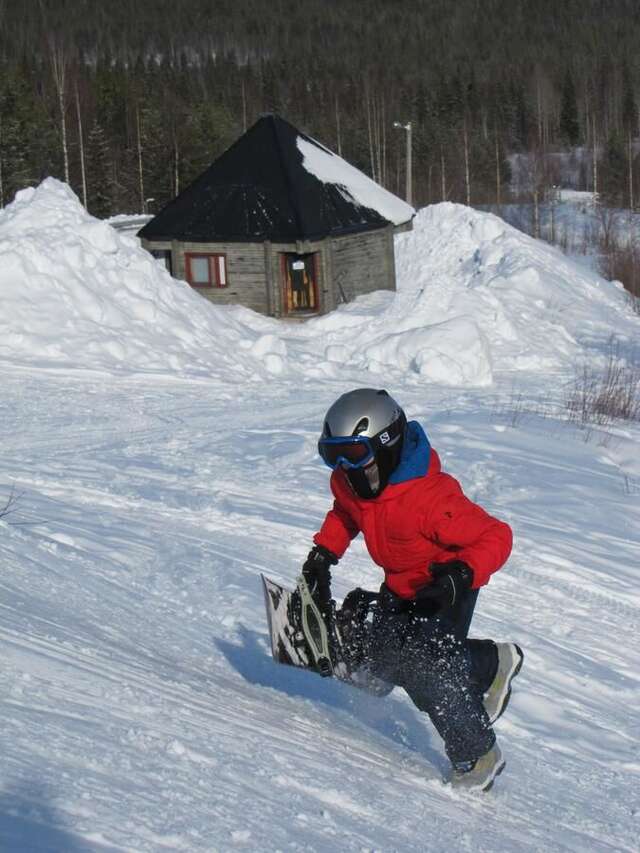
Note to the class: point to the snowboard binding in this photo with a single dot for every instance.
(330, 644)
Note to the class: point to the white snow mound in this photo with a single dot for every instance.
(76, 293)
(538, 309)
(474, 296)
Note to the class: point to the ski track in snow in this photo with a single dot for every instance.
(140, 709)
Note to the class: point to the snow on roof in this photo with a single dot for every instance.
(355, 185)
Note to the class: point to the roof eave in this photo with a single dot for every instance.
(347, 231)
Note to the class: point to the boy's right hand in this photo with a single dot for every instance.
(450, 581)
(317, 573)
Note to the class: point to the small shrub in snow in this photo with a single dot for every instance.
(8, 507)
(519, 409)
(621, 262)
(600, 397)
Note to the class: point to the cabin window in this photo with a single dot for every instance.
(205, 270)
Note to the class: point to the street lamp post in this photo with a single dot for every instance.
(407, 127)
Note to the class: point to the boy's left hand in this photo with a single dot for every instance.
(450, 581)
(317, 573)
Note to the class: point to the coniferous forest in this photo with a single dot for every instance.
(128, 101)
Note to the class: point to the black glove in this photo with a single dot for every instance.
(356, 603)
(450, 581)
(317, 574)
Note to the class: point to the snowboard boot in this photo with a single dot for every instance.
(478, 775)
(496, 698)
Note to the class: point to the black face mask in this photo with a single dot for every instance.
(365, 482)
(370, 482)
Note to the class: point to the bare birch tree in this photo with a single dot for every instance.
(498, 172)
(83, 171)
(370, 136)
(467, 173)
(1, 165)
(176, 162)
(140, 163)
(244, 107)
(383, 125)
(594, 160)
(537, 182)
(630, 158)
(377, 139)
(59, 64)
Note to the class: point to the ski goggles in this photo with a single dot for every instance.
(350, 451)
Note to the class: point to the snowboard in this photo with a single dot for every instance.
(298, 638)
(301, 637)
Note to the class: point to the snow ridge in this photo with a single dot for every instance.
(474, 296)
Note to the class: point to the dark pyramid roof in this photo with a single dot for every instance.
(259, 190)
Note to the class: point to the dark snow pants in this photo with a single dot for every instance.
(483, 653)
(444, 673)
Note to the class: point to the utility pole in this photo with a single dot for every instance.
(407, 128)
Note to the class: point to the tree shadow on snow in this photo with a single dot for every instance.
(387, 716)
(29, 824)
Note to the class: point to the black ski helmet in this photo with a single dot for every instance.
(376, 417)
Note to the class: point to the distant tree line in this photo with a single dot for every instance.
(130, 101)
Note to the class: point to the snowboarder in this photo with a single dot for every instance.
(437, 549)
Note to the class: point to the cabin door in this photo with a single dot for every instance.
(300, 273)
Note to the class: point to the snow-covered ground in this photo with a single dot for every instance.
(162, 454)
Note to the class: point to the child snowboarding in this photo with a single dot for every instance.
(437, 549)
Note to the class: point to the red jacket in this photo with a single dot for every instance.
(414, 523)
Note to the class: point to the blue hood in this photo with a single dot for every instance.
(416, 452)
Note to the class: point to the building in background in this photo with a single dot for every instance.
(282, 225)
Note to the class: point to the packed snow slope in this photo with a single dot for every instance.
(162, 454)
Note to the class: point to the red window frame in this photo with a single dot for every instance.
(217, 277)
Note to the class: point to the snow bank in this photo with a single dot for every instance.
(76, 293)
(453, 353)
(539, 310)
(474, 296)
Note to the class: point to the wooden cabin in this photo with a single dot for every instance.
(280, 224)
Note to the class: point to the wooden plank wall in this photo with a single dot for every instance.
(245, 271)
(362, 263)
(348, 267)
